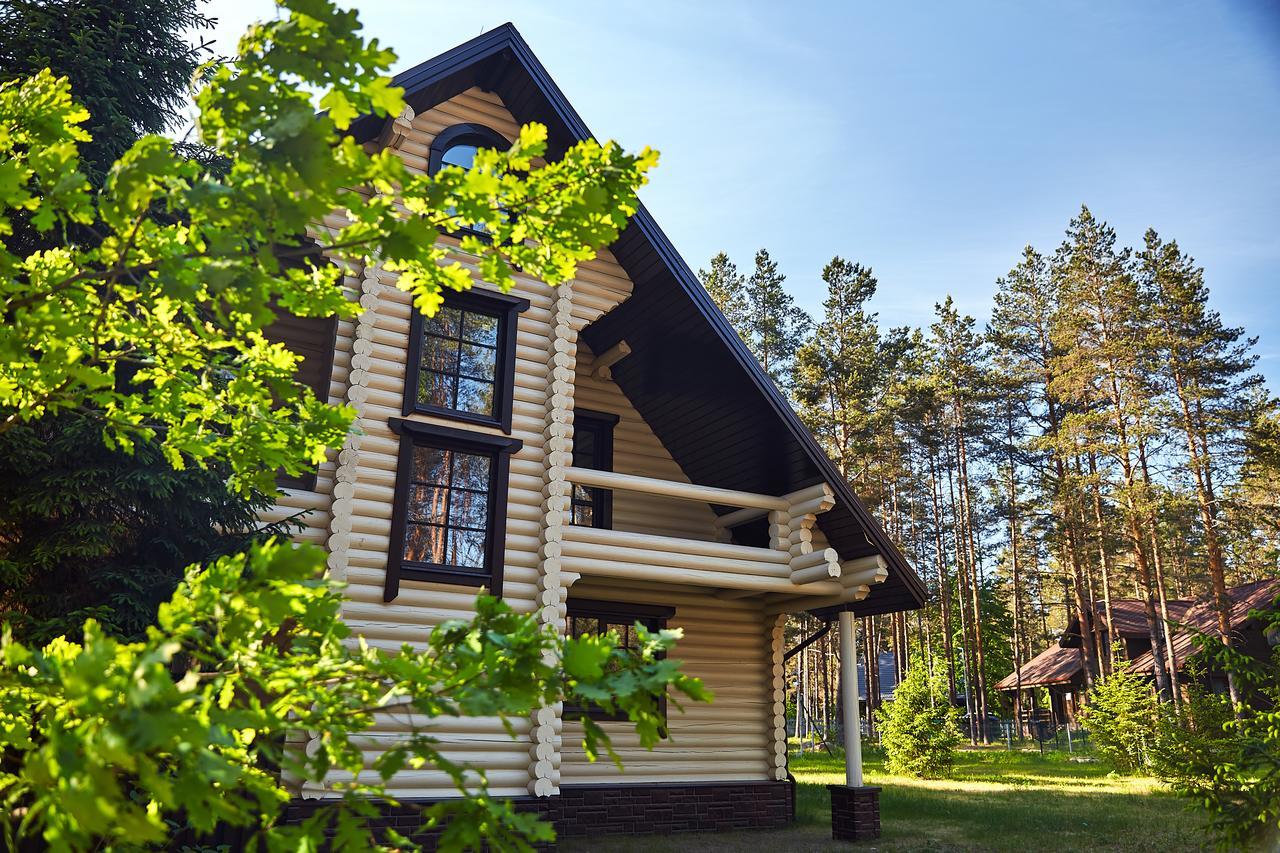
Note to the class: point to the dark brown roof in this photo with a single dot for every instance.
(1054, 665)
(1202, 617)
(1129, 615)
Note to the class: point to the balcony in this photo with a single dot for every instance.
(794, 573)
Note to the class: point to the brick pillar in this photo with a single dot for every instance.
(855, 813)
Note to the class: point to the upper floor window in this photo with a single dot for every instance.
(457, 145)
(462, 360)
(449, 511)
(593, 448)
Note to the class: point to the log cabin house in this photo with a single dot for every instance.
(599, 453)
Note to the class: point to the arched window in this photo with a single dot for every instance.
(457, 145)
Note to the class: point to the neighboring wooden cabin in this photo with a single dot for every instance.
(1060, 668)
(1060, 672)
(1246, 633)
(598, 453)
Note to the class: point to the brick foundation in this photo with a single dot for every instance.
(640, 809)
(855, 813)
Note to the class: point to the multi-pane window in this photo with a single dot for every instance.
(448, 510)
(462, 359)
(459, 360)
(592, 448)
(587, 618)
(448, 523)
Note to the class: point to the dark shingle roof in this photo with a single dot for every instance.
(1054, 665)
(1203, 617)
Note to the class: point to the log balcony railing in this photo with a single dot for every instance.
(792, 568)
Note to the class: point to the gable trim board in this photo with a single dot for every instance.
(743, 435)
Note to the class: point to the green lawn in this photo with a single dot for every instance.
(995, 800)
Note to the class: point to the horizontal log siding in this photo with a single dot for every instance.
(419, 606)
(726, 644)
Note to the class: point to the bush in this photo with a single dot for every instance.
(1189, 744)
(1121, 718)
(1228, 759)
(918, 729)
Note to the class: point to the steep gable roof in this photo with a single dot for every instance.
(690, 377)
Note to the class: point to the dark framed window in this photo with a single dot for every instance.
(462, 361)
(587, 617)
(449, 516)
(457, 145)
(592, 448)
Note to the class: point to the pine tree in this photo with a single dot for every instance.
(1100, 367)
(1021, 332)
(83, 530)
(727, 287)
(961, 376)
(776, 326)
(1209, 367)
(761, 311)
(841, 372)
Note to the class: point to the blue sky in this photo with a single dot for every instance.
(930, 141)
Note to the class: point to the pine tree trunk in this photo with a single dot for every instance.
(1015, 559)
(979, 656)
(1091, 600)
(1137, 541)
(1202, 475)
(1108, 656)
(962, 583)
(1062, 508)
(944, 592)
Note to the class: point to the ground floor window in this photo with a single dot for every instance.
(587, 617)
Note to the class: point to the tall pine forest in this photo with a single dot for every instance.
(1104, 436)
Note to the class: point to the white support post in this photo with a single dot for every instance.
(849, 689)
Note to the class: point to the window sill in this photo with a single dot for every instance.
(432, 573)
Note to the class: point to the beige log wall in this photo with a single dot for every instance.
(351, 513)
(727, 645)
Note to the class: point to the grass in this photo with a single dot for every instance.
(995, 800)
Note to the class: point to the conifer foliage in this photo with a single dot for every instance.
(1104, 437)
(918, 726)
(1121, 718)
(87, 530)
